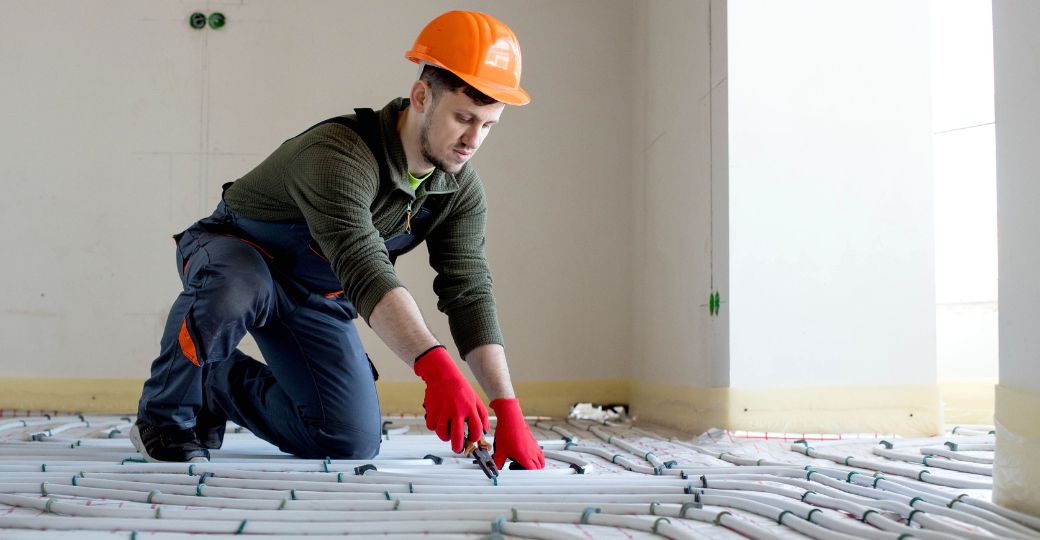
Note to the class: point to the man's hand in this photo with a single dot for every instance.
(513, 438)
(450, 402)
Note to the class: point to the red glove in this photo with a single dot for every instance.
(450, 402)
(513, 438)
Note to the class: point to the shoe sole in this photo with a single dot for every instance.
(135, 438)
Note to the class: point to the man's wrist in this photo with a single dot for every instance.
(505, 405)
(428, 351)
(436, 364)
(488, 364)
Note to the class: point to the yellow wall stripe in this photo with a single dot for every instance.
(1016, 471)
(912, 410)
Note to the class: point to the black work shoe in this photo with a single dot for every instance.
(209, 428)
(167, 444)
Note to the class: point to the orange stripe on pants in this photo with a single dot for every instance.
(187, 345)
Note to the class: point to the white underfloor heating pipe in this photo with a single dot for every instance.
(820, 524)
(957, 455)
(136, 518)
(929, 461)
(924, 475)
(274, 522)
(858, 507)
(1003, 525)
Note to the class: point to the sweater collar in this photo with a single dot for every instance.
(439, 182)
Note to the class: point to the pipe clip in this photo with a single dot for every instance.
(361, 470)
(687, 506)
(657, 523)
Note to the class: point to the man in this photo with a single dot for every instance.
(306, 241)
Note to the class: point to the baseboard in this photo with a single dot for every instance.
(538, 398)
(911, 410)
(907, 410)
(119, 396)
(685, 408)
(968, 401)
(98, 396)
(1016, 472)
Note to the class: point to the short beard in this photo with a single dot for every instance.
(427, 152)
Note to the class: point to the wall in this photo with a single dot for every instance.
(965, 208)
(831, 219)
(612, 210)
(830, 194)
(795, 180)
(128, 122)
(680, 200)
(1016, 473)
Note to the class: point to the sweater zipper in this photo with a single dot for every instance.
(408, 219)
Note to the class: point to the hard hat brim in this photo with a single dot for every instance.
(505, 94)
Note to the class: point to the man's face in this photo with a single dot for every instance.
(454, 128)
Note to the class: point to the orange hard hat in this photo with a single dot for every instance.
(477, 48)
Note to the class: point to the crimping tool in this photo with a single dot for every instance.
(479, 451)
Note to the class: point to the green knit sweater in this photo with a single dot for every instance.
(329, 178)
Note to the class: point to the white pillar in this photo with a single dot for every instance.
(1016, 474)
(832, 287)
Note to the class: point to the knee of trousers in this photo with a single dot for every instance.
(343, 442)
(243, 296)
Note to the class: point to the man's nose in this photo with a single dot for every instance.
(471, 137)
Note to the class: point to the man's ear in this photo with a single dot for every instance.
(421, 96)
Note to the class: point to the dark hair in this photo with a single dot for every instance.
(441, 79)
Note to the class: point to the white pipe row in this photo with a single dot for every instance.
(926, 493)
(986, 447)
(627, 464)
(972, 430)
(100, 426)
(924, 475)
(190, 485)
(658, 519)
(992, 520)
(930, 441)
(567, 435)
(26, 534)
(905, 497)
(863, 509)
(657, 466)
(954, 455)
(812, 504)
(726, 456)
(929, 461)
(155, 498)
(21, 423)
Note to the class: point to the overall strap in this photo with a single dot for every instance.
(367, 127)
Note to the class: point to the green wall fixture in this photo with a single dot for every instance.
(714, 302)
(197, 20)
(217, 20)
